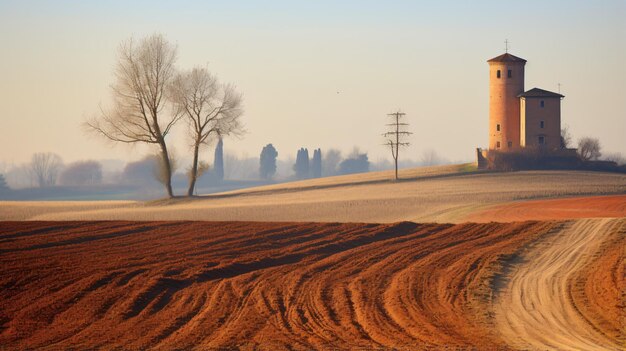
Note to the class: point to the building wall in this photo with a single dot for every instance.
(504, 105)
(530, 122)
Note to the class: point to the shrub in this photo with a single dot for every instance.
(267, 167)
(357, 163)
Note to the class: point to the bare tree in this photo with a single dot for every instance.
(566, 137)
(330, 162)
(46, 167)
(395, 135)
(82, 173)
(210, 109)
(430, 158)
(589, 148)
(21, 176)
(615, 157)
(143, 74)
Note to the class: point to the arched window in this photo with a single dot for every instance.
(498, 74)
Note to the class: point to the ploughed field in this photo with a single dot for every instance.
(301, 286)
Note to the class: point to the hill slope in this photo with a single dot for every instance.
(445, 194)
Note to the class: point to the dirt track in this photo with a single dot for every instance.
(298, 286)
(537, 309)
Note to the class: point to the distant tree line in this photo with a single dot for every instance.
(330, 165)
(355, 163)
(3, 183)
(82, 173)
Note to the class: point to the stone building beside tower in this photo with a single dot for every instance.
(518, 118)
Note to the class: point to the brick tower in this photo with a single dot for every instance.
(506, 82)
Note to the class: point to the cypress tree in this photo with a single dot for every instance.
(267, 167)
(302, 164)
(218, 161)
(316, 167)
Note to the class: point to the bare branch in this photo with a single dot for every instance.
(211, 109)
(143, 73)
(46, 167)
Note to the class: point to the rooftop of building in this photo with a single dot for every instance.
(536, 92)
(506, 57)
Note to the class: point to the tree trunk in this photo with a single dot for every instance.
(168, 169)
(194, 170)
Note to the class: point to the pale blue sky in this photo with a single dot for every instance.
(289, 58)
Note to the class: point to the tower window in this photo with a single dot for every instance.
(510, 144)
(497, 144)
(498, 74)
(541, 124)
(509, 74)
(542, 140)
(498, 127)
(542, 103)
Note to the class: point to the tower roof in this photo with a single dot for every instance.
(536, 92)
(506, 58)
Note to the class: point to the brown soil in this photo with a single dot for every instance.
(241, 285)
(610, 206)
(277, 286)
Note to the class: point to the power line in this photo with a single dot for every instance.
(393, 136)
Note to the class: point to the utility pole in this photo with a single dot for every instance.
(395, 135)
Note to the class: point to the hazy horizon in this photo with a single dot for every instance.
(320, 74)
